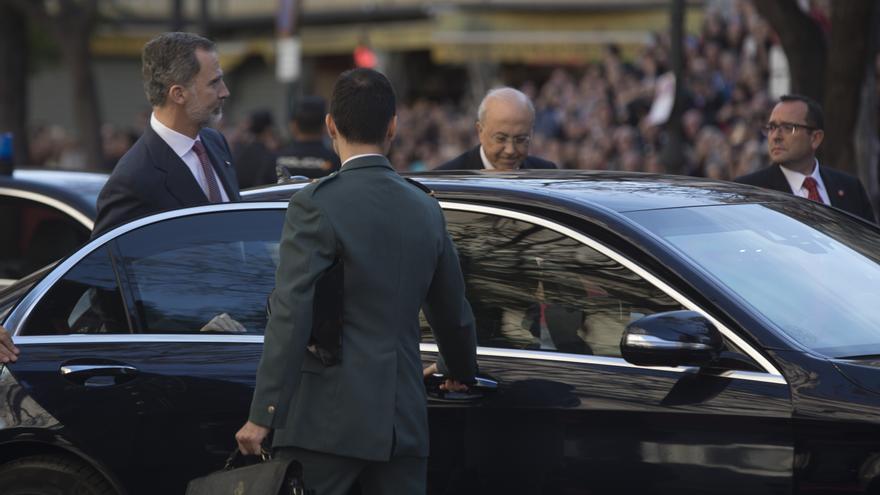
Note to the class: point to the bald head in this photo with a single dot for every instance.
(504, 126)
(506, 97)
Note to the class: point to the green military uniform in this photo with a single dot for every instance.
(398, 258)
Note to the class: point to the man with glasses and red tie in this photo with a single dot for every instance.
(504, 126)
(794, 132)
(179, 161)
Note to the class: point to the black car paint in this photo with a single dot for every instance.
(553, 426)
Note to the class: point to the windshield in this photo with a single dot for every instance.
(813, 272)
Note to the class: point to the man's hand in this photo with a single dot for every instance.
(250, 438)
(8, 351)
(429, 370)
(223, 323)
(451, 385)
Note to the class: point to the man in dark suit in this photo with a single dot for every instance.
(363, 418)
(178, 161)
(504, 126)
(794, 132)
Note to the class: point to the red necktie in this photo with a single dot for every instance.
(812, 188)
(213, 191)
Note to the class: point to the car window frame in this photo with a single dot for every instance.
(23, 309)
(770, 370)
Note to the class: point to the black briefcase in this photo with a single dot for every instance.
(326, 339)
(268, 477)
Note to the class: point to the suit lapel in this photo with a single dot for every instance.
(222, 168)
(777, 180)
(179, 181)
(474, 160)
(835, 189)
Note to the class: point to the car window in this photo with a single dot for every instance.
(533, 288)
(86, 300)
(36, 235)
(204, 273)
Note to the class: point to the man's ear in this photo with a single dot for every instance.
(331, 127)
(816, 138)
(392, 129)
(177, 94)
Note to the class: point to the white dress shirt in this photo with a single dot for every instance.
(183, 146)
(355, 157)
(796, 182)
(486, 163)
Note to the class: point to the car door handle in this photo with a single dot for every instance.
(482, 387)
(98, 375)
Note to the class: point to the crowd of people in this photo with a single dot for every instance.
(598, 117)
(593, 117)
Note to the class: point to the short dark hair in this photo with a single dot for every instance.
(363, 105)
(309, 114)
(260, 120)
(815, 117)
(169, 59)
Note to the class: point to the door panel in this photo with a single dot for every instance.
(557, 428)
(174, 420)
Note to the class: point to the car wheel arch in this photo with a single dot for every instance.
(19, 449)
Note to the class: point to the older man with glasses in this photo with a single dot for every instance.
(794, 132)
(504, 126)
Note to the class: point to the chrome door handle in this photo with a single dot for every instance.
(90, 374)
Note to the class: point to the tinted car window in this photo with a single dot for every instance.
(809, 271)
(533, 288)
(86, 300)
(36, 235)
(185, 272)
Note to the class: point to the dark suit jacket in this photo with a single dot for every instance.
(470, 160)
(151, 178)
(845, 191)
(398, 258)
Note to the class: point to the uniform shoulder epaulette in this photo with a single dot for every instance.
(427, 190)
(323, 180)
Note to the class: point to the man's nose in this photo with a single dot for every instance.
(224, 91)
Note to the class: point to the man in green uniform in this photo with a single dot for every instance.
(363, 418)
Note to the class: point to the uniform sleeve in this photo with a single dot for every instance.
(307, 249)
(450, 316)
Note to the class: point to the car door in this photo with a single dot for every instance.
(569, 414)
(120, 350)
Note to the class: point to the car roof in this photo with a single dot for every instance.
(78, 190)
(616, 191)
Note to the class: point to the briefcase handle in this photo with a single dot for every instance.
(236, 457)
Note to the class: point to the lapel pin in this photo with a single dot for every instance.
(840, 192)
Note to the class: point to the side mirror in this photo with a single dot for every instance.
(674, 338)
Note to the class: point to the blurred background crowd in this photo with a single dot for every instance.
(600, 115)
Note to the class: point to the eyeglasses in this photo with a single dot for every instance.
(787, 128)
(516, 141)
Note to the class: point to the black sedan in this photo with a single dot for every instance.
(44, 215)
(637, 334)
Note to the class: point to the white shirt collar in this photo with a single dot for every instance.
(180, 143)
(486, 163)
(796, 182)
(359, 156)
